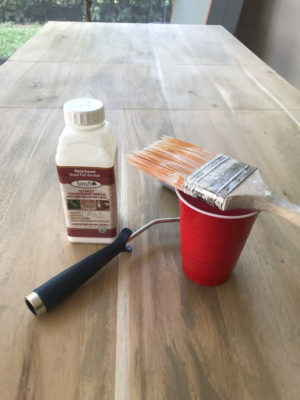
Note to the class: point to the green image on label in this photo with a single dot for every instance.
(73, 205)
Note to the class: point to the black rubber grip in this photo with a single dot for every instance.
(60, 286)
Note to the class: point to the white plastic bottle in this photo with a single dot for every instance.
(85, 162)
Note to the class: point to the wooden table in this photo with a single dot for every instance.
(141, 329)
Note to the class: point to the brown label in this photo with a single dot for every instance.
(89, 201)
(91, 233)
(104, 176)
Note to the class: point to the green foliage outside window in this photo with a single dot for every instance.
(40, 10)
(73, 10)
(13, 36)
(132, 10)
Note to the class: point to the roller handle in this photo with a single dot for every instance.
(52, 292)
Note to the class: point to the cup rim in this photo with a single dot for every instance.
(215, 215)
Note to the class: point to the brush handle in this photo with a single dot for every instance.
(277, 205)
(62, 285)
(254, 193)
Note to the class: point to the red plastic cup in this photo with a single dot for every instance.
(211, 240)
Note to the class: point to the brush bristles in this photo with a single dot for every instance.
(170, 160)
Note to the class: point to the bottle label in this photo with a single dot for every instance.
(89, 201)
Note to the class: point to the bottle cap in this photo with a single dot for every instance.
(84, 112)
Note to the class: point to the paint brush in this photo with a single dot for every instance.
(216, 178)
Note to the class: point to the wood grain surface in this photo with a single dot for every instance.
(141, 329)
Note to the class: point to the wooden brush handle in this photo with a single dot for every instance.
(277, 205)
(254, 193)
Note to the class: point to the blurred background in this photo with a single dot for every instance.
(267, 27)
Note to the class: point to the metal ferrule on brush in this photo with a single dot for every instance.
(216, 179)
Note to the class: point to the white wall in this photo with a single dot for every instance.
(271, 29)
(190, 11)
